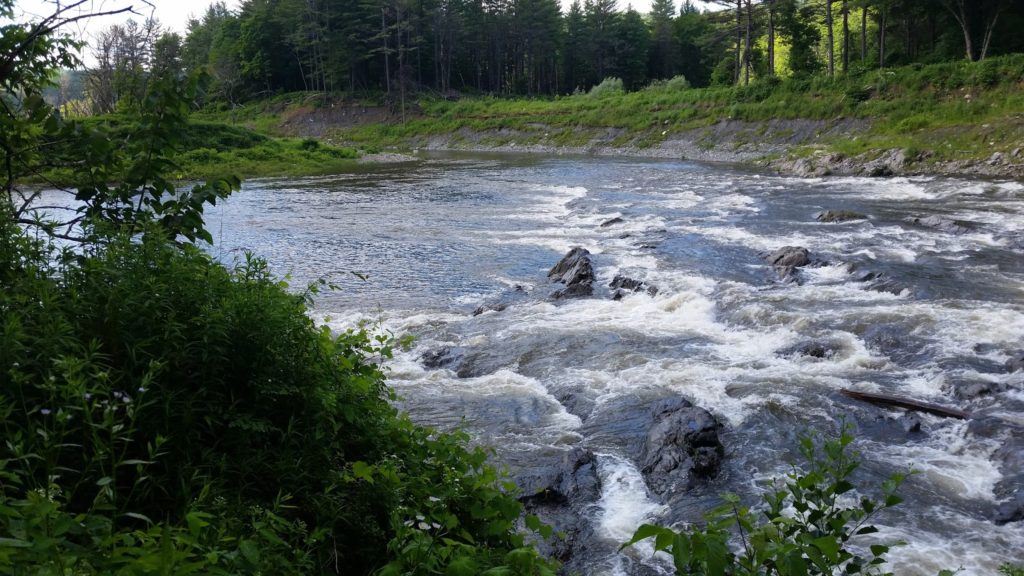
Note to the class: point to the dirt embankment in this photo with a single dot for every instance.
(789, 146)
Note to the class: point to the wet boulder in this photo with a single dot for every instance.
(811, 349)
(972, 389)
(836, 216)
(938, 223)
(624, 283)
(1015, 362)
(501, 302)
(682, 446)
(787, 259)
(612, 222)
(576, 271)
(443, 357)
(558, 490)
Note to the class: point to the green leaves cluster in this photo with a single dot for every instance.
(808, 525)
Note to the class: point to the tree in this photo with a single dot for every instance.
(972, 16)
(632, 40)
(795, 23)
(664, 48)
(601, 19)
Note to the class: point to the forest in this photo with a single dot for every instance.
(534, 48)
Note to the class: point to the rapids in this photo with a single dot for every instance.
(903, 308)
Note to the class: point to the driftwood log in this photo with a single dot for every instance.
(906, 403)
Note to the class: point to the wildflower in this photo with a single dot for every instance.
(45, 411)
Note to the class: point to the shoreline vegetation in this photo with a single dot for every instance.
(953, 118)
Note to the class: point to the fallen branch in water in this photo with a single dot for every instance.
(906, 403)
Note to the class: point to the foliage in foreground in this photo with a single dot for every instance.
(806, 526)
(164, 414)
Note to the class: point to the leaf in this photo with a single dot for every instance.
(828, 546)
(14, 543)
(644, 532)
(363, 471)
(879, 549)
(250, 551)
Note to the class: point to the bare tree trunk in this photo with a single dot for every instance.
(989, 28)
(771, 37)
(748, 49)
(846, 37)
(829, 40)
(864, 36)
(739, 40)
(881, 37)
(387, 61)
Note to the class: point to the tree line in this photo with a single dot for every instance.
(534, 48)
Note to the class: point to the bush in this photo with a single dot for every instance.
(608, 87)
(804, 526)
(163, 413)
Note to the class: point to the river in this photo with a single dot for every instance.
(898, 307)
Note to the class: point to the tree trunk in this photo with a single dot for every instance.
(829, 40)
(748, 48)
(739, 41)
(864, 37)
(846, 37)
(988, 33)
(771, 38)
(881, 37)
(387, 62)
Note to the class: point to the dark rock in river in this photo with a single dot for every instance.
(1015, 362)
(811, 349)
(501, 302)
(833, 216)
(557, 490)
(789, 257)
(971, 389)
(612, 222)
(682, 446)
(576, 271)
(911, 422)
(938, 223)
(442, 357)
(620, 283)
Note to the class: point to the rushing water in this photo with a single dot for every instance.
(437, 238)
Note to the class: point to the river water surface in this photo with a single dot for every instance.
(901, 308)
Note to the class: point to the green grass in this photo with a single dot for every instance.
(212, 149)
(953, 110)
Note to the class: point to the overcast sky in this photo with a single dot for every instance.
(175, 13)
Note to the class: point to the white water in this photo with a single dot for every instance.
(438, 241)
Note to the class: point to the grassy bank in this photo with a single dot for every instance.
(942, 112)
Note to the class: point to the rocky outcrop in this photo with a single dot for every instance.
(622, 284)
(576, 271)
(612, 222)
(682, 446)
(938, 223)
(557, 490)
(836, 216)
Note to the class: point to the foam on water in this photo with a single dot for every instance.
(625, 503)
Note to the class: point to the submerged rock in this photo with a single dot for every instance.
(612, 222)
(442, 357)
(832, 216)
(576, 271)
(501, 302)
(812, 349)
(681, 447)
(938, 223)
(1015, 362)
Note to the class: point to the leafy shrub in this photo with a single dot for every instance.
(814, 538)
(309, 144)
(162, 412)
(608, 87)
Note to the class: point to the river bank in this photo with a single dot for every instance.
(953, 118)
